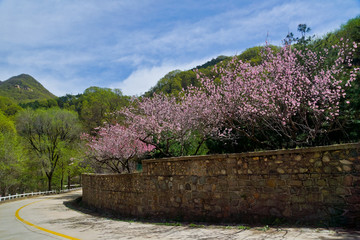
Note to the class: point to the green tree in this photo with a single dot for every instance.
(302, 42)
(70, 102)
(48, 134)
(253, 55)
(97, 104)
(10, 168)
(303, 29)
(71, 166)
(8, 106)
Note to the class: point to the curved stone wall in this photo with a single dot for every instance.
(306, 185)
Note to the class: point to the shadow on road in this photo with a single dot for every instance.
(69, 196)
(75, 203)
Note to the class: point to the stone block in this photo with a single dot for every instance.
(341, 191)
(318, 164)
(308, 183)
(327, 169)
(297, 199)
(354, 199)
(347, 168)
(295, 183)
(271, 183)
(346, 162)
(348, 181)
(333, 199)
(321, 182)
(326, 159)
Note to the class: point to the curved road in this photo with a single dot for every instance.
(47, 217)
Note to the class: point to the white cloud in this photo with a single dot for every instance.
(242, 26)
(141, 80)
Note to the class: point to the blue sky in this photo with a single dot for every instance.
(70, 45)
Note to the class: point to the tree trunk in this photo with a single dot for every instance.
(62, 179)
(69, 180)
(49, 176)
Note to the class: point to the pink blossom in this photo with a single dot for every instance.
(116, 147)
(286, 86)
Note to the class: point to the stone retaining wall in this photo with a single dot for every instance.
(306, 185)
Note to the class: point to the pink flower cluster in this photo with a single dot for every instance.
(116, 146)
(290, 91)
(163, 121)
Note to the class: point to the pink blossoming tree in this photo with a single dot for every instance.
(116, 147)
(292, 94)
(175, 127)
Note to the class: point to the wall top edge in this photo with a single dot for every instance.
(259, 153)
(110, 174)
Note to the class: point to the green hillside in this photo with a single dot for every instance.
(173, 82)
(24, 88)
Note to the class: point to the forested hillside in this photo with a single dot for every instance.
(175, 81)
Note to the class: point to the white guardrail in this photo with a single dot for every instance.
(36, 193)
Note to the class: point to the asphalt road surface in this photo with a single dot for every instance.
(47, 217)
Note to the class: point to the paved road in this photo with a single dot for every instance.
(50, 214)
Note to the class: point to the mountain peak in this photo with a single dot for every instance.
(24, 88)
